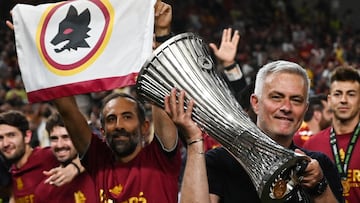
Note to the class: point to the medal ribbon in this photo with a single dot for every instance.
(343, 166)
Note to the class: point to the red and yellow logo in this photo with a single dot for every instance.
(71, 35)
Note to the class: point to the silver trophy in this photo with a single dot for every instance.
(184, 62)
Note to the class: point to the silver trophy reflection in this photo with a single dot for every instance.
(183, 62)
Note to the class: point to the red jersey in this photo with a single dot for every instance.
(321, 142)
(302, 135)
(79, 190)
(210, 143)
(152, 176)
(28, 177)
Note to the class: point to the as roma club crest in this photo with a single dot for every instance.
(72, 34)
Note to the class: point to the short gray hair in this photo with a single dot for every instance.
(280, 66)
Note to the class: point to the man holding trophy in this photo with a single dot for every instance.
(280, 101)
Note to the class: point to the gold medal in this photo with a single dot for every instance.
(279, 189)
(346, 186)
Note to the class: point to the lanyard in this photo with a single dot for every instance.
(343, 166)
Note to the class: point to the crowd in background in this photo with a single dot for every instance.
(316, 36)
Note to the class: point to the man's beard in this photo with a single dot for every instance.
(120, 147)
(17, 156)
(65, 162)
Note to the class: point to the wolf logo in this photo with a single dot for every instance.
(73, 29)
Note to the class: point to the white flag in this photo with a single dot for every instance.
(76, 47)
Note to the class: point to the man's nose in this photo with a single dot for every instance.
(343, 98)
(119, 123)
(60, 143)
(286, 105)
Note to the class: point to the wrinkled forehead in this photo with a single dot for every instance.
(281, 76)
(286, 82)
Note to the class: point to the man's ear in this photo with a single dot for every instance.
(145, 128)
(102, 131)
(28, 135)
(146, 131)
(317, 115)
(254, 100)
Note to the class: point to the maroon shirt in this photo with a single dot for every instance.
(321, 142)
(79, 190)
(28, 177)
(152, 176)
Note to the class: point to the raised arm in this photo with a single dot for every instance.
(164, 128)
(163, 125)
(226, 54)
(163, 18)
(75, 123)
(195, 184)
(228, 47)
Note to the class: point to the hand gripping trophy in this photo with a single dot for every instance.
(184, 62)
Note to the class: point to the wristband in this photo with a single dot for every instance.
(320, 187)
(233, 72)
(77, 167)
(163, 38)
(230, 66)
(195, 141)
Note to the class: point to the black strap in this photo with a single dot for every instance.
(342, 166)
(163, 38)
(230, 66)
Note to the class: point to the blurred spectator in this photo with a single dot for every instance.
(243, 97)
(317, 117)
(5, 178)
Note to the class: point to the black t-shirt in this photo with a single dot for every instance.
(5, 176)
(230, 182)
